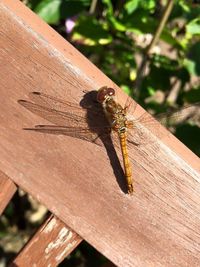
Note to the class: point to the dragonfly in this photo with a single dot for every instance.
(98, 114)
(117, 118)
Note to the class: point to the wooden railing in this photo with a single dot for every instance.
(79, 182)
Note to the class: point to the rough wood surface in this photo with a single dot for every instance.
(80, 182)
(49, 246)
(7, 190)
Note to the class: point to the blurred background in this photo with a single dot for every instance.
(151, 50)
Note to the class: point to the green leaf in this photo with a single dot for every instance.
(165, 62)
(109, 6)
(190, 66)
(117, 25)
(184, 5)
(131, 6)
(52, 11)
(151, 90)
(168, 38)
(148, 5)
(193, 27)
(49, 10)
(126, 89)
(90, 31)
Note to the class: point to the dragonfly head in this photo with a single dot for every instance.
(105, 93)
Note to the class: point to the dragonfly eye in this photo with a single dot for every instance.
(104, 92)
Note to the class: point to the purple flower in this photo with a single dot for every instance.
(69, 24)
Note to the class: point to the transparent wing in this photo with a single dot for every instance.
(97, 135)
(75, 132)
(65, 113)
(155, 124)
(88, 123)
(130, 105)
(171, 118)
(53, 115)
(138, 135)
(52, 102)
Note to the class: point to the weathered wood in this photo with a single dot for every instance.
(49, 246)
(79, 181)
(7, 190)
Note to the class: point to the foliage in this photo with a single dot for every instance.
(53, 11)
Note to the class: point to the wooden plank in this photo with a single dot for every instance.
(8, 188)
(80, 182)
(49, 246)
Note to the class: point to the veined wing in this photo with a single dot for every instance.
(130, 105)
(175, 116)
(101, 136)
(58, 104)
(65, 113)
(70, 119)
(90, 135)
(51, 102)
(54, 116)
(155, 124)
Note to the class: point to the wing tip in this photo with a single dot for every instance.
(20, 101)
(36, 93)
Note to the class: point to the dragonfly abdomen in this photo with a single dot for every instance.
(116, 116)
(127, 166)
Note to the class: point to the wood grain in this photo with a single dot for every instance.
(81, 183)
(49, 246)
(7, 190)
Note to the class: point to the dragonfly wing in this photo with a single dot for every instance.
(89, 124)
(155, 124)
(130, 104)
(171, 118)
(57, 104)
(52, 102)
(75, 132)
(62, 112)
(138, 135)
(54, 116)
(187, 113)
(176, 116)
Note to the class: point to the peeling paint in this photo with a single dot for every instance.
(63, 233)
(63, 237)
(66, 250)
(49, 227)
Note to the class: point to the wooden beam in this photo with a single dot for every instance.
(81, 183)
(8, 188)
(49, 246)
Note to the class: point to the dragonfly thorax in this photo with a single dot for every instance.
(114, 112)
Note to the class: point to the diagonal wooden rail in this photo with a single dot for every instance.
(8, 188)
(159, 225)
(49, 246)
